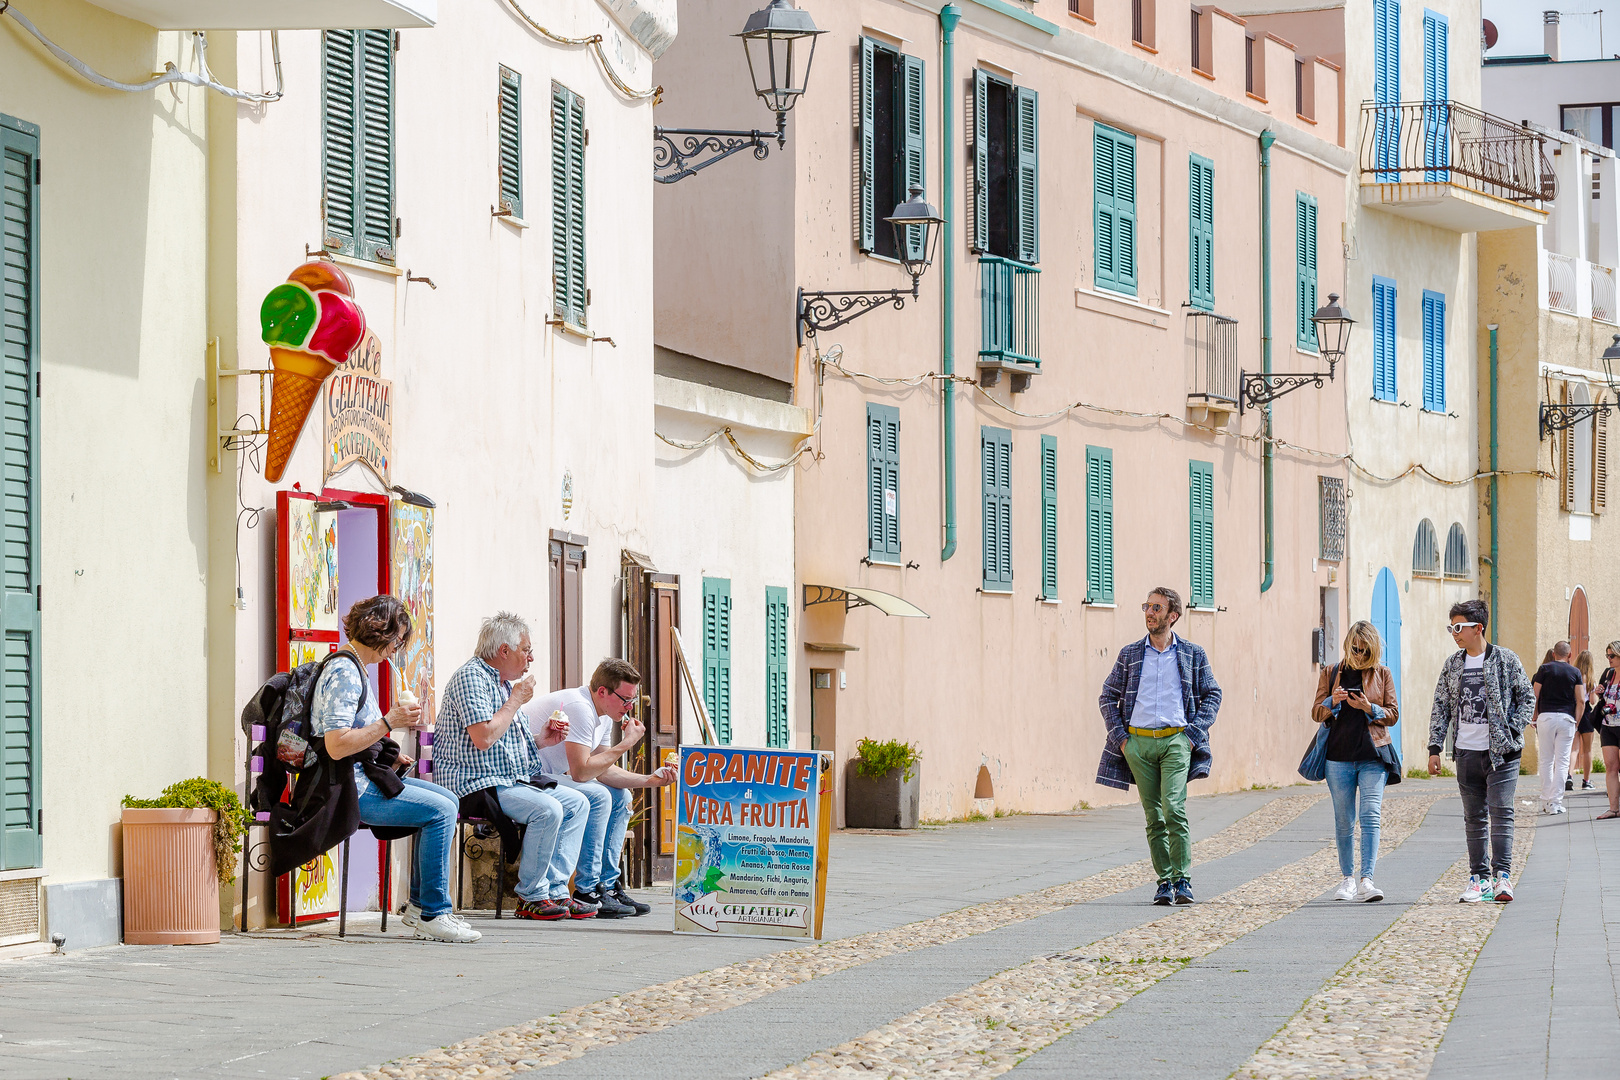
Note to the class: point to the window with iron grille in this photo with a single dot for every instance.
(1426, 550)
(1331, 516)
(1457, 552)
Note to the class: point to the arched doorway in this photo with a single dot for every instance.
(1386, 617)
(1579, 637)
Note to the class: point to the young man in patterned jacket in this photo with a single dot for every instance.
(1482, 703)
(1158, 704)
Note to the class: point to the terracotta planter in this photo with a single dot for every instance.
(171, 890)
(881, 802)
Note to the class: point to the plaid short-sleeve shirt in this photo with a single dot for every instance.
(473, 695)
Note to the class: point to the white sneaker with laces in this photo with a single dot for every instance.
(411, 915)
(1502, 889)
(1369, 892)
(1346, 889)
(444, 928)
(1478, 889)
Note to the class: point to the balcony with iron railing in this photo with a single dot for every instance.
(1573, 286)
(1214, 381)
(1010, 321)
(1453, 166)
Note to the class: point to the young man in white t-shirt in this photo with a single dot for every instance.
(1482, 701)
(586, 762)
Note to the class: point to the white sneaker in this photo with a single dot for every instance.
(1346, 889)
(1502, 889)
(1557, 810)
(444, 928)
(1369, 892)
(411, 915)
(1478, 889)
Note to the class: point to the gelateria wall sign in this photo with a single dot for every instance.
(358, 415)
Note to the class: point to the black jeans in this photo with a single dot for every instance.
(1487, 799)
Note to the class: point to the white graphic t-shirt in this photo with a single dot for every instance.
(1473, 725)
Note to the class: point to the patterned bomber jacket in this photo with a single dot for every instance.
(1510, 702)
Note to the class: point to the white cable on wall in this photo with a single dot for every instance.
(173, 75)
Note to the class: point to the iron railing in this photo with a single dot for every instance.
(1603, 294)
(1561, 274)
(1331, 517)
(1411, 142)
(1011, 310)
(1215, 375)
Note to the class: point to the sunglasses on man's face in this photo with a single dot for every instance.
(1156, 609)
(1459, 627)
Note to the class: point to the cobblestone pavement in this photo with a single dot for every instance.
(1026, 945)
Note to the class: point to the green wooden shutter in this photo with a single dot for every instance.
(357, 142)
(568, 204)
(883, 482)
(1027, 173)
(1049, 557)
(913, 151)
(868, 195)
(340, 186)
(1099, 524)
(981, 163)
(377, 144)
(1201, 232)
(717, 655)
(1114, 195)
(1201, 532)
(776, 668)
(511, 141)
(996, 477)
(20, 599)
(1305, 268)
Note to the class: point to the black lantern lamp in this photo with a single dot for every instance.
(1333, 325)
(779, 41)
(1610, 357)
(826, 310)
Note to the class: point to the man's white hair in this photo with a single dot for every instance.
(502, 628)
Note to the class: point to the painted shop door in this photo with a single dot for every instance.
(652, 606)
(1579, 636)
(1386, 616)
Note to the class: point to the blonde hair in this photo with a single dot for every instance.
(1583, 664)
(1364, 634)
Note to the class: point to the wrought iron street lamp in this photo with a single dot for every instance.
(779, 41)
(825, 310)
(1333, 323)
(1557, 417)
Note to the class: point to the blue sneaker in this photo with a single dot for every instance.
(1183, 891)
(1166, 894)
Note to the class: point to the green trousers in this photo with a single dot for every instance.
(1160, 768)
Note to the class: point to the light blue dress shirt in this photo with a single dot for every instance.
(1158, 693)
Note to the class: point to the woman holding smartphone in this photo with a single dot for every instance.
(1608, 727)
(1357, 699)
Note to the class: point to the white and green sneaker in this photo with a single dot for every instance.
(1479, 888)
(1502, 888)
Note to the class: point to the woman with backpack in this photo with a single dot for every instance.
(344, 714)
(1357, 699)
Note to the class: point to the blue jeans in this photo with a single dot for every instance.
(1343, 780)
(432, 809)
(553, 825)
(604, 835)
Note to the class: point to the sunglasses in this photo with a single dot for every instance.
(1459, 627)
(1155, 608)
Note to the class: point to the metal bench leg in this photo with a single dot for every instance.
(383, 895)
(343, 893)
(500, 879)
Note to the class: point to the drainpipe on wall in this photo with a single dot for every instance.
(949, 16)
(1495, 495)
(1267, 451)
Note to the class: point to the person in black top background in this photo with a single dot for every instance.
(1580, 758)
(1560, 691)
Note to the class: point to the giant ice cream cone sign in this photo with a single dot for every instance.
(311, 323)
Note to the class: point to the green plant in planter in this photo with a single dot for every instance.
(880, 758)
(200, 794)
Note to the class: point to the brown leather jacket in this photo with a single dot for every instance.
(1379, 686)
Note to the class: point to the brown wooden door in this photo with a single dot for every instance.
(567, 553)
(664, 727)
(1579, 637)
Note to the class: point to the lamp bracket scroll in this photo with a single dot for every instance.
(1560, 417)
(826, 310)
(225, 437)
(673, 161)
(1257, 389)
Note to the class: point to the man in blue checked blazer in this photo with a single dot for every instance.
(1158, 704)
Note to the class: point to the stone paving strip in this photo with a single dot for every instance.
(573, 1032)
(1384, 1013)
(988, 1028)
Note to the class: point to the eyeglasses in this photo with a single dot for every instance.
(1155, 608)
(1459, 627)
(628, 702)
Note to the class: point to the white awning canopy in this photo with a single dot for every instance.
(851, 597)
(284, 15)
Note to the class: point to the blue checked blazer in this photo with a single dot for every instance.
(1200, 700)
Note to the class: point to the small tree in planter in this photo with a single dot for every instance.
(178, 849)
(882, 789)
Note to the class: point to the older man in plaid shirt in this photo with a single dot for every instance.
(483, 740)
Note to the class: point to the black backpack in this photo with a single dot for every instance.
(282, 707)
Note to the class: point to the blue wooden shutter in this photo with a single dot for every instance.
(1201, 532)
(913, 148)
(717, 655)
(1049, 527)
(1201, 232)
(867, 215)
(1436, 91)
(1099, 524)
(1114, 184)
(1434, 351)
(776, 666)
(1384, 387)
(1305, 270)
(510, 138)
(568, 204)
(1027, 174)
(20, 844)
(996, 477)
(981, 163)
(1387, 86)
(883, 482)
